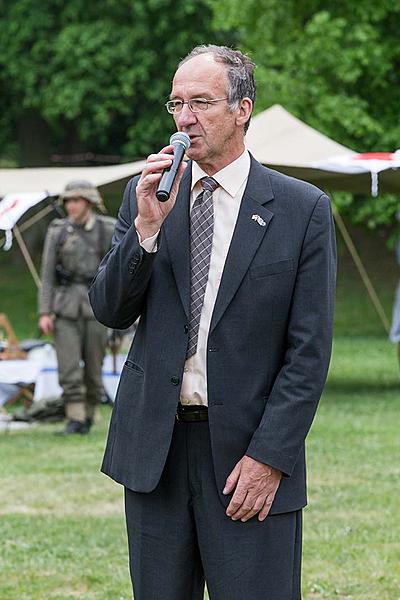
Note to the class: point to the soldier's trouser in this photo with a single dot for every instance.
(80, 348)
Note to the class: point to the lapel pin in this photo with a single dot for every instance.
(259, 220)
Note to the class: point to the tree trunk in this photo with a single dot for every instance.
(33, 140)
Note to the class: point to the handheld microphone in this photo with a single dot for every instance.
(181, 143)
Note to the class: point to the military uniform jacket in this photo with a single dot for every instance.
(78, 249)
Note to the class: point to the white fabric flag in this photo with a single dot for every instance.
(372, 162)
(12, 207)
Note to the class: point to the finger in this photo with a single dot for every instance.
(259, 503)
(149, 181)
(155, 167)
(265, 509)
(236, 501)
(167, 150)
(246, 508)
(153, 158)
(232, 479)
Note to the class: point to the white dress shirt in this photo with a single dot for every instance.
(227, 198)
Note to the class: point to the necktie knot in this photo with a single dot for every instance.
(209, 184)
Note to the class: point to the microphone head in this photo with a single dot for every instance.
(180, 138)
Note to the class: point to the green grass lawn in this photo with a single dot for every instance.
(355, 313)
(62, 532)
(352, 525)
(62, 528)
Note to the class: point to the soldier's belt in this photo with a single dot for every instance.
(83, 279)
(86, 279)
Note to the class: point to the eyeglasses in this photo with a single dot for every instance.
(194, 104)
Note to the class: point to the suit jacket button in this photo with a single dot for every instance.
(186, 329)
(175, 380)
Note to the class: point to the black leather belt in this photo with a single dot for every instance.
(191, 413)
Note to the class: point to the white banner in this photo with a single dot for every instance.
(372, 162)
(13, 206)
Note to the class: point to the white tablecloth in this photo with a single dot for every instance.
(40, 368)
(19, 371)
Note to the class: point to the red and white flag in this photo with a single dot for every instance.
(12, 207)
(367, 162)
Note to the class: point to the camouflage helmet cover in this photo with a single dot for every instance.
(81, 188)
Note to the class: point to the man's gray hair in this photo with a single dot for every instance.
(239, 68)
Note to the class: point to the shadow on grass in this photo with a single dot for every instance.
(361, 386)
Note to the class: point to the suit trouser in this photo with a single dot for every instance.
(80, 346)
(179, 535)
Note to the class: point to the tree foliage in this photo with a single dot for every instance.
(93, 76)
(335, 65)
(96, 72)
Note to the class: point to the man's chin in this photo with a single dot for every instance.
(195, 152)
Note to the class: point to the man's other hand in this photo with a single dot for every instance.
(255, 486)
(46, 324)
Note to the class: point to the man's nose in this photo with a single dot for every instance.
(185, 117)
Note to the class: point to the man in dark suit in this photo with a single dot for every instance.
(233, 280)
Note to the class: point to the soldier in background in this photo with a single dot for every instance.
(72, 252)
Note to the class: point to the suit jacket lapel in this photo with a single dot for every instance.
(176, 228)
(251, 226)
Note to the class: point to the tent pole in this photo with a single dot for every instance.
(26, 255)
(39, 215)
(361, 269)
(29, 222)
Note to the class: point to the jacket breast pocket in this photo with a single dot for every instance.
(274, 268)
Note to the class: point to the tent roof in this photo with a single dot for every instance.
(283, 142)
(278, 138)
(54, 179)
(275, 137)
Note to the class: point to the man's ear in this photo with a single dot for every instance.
(244, 111)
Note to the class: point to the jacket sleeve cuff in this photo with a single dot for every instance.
(149, 244)
(271, 457)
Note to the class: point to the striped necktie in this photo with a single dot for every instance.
(201, 235)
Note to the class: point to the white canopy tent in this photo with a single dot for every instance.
(54, 179)
(283, 142)
(23, 188)
(275, 137)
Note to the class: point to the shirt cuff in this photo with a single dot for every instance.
(149, 244)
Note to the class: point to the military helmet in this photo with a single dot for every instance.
(81, 188)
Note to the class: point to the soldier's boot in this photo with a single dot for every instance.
(76, 419)
(90, 411)
(74, 427)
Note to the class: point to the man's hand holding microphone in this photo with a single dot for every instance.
(158, 185)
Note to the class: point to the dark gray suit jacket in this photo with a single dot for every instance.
(269, 343)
